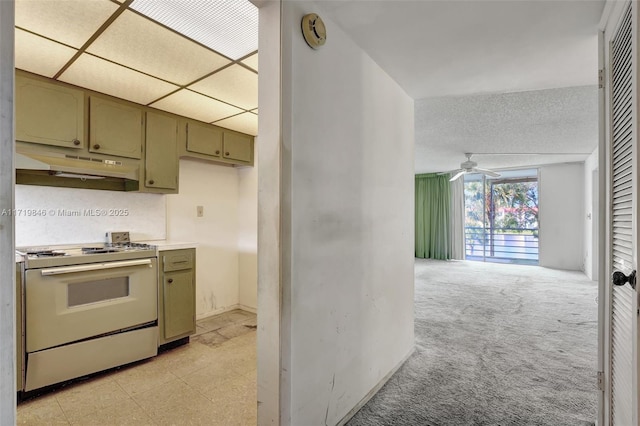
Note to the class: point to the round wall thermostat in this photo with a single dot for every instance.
(313, 30)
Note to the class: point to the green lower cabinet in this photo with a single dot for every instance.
(19, 354)
(177, 313)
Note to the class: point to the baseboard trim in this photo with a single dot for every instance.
(375, 389)
(247, 308)
(225, 309)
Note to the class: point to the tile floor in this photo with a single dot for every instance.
(210, 381)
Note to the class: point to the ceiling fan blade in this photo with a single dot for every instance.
(487, 172)
(460, 173)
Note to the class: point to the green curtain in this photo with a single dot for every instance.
(433, 196)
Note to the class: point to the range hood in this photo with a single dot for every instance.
(79, 171)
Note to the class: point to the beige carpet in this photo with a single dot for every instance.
(495, 345)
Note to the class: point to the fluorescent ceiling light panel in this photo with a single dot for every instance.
(115, 80)
(251, 61)
(226, 26)
(143, 45)
(246, 123)
(235, 85)
(191, 104)
(70, 22)
(40, 55)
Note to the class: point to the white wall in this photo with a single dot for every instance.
(346, 211)
(216, 233)
(68, 215)
(590, 217)
(561, 216)
(248, 236)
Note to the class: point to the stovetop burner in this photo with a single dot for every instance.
(98, 250)
(46, 253)
(64, 255)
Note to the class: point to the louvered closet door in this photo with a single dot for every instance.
(623, 318)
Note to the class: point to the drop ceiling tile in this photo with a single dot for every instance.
(229, 27)
(194, 105)
(246, 123)
(112, 79)
(40, 55)
(235, 85)
(70, 22)
(141, 44)
(251, 61)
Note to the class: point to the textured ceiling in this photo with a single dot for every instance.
(445, 54)
(563, 122)
(109, 47)
(442, 48)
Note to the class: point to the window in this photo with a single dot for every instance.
(501, 217)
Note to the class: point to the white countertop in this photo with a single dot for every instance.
(18, 258)
(164, 245)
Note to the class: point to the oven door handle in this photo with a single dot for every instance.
(95, 267)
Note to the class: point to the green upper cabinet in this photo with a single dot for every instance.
(210, 142)
(161, 157)
(238, 147)
(204, 139)
(49, 114)
(116, 128)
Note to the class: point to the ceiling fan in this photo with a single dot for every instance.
(471, 167)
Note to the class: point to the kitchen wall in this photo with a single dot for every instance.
(561, 203)
(215, 188)
(49, 215)
(344, 188)
(247, 235)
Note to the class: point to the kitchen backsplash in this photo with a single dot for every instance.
(49, 215)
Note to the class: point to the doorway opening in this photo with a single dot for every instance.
(501, 217)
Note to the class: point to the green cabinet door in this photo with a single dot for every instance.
(48, 114)
(204, 139)
(115, 128)
(179, 303)
(161, 156)
(19, 345)
(238, 147)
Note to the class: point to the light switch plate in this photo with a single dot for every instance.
(199, 211)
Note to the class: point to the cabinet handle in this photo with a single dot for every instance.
(226, 153)
(76, 142)
(170, 280)
(96, 146)
(218, 152)
(151, 182)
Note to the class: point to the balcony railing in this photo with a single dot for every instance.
(505, 245)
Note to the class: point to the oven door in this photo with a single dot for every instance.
(72, 303)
